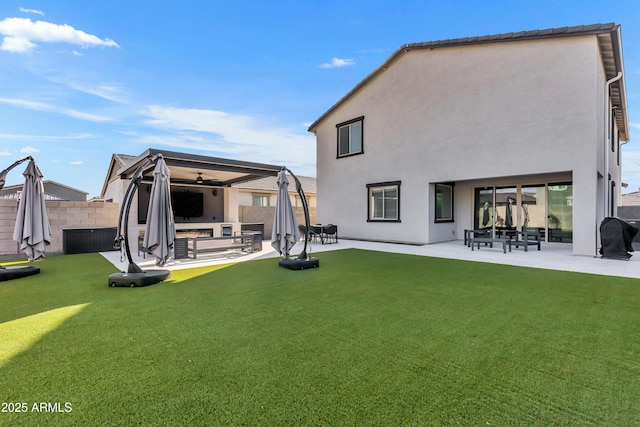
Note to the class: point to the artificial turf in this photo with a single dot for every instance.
(368, 338)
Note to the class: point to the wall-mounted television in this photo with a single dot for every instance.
(187, 204)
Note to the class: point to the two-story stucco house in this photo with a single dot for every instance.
(511, 131)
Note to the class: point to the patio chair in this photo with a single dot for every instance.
(330, 233)
(316, 232)
(313, 234)
(469, 234)
(141, 248)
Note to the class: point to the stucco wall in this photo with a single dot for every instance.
(245, 198)
(265, 214)
(467, 113)
(61, 215)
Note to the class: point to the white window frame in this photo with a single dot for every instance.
(264, 197)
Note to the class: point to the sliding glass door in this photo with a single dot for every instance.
(506, 210)
(483, 216)
(534, 208)
(560, 217)
(547, 208)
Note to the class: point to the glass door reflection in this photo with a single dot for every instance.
(506, 220)
(534, 210)
(560, 216)
(483, 215)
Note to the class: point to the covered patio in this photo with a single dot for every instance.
(205, 203)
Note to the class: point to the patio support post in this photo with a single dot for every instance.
(123, 223)
(303, 254)
(3, 174)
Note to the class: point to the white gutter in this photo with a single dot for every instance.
(608, 139)
(607, 143)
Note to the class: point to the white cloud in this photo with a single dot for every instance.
(231, 135)
(77, 162)
(199, 120)
(338, 63)
(109, 91)
(34, 137)
(29, 150)
(16, 44)
(34, 11)
(635, 125)
(41, 106)
(4, 153)
(21, 35)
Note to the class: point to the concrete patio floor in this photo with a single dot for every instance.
(551, 256)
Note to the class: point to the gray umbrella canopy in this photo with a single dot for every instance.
(508, 213)
(32, 230)
(160, 231)
(285, 233)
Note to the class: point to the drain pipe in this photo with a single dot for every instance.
(607, 142)
(608, 139)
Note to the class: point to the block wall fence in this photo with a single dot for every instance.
(65, 214)
(62, 214)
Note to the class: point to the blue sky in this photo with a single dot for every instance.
(237, 79)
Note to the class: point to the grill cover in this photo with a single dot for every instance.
(616, 236)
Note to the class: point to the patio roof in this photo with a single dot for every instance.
(270, 184)
(215, 171)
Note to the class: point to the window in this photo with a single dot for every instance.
(260, 200)
(384, 201)
(350, 137)
(444, 203)
(612, 199)
(560, 212)
(619, 147)
(297, 202)
(612, 126)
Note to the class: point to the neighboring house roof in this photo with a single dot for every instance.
(630, 199)
(118, 161)
(270, 184)
(52, 191)
(609, 39)
(502, 197)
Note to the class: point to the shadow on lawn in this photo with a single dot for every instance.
(72, 290)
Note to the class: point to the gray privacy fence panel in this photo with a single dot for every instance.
(86, 240)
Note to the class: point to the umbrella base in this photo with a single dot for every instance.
(136, 280)
(16, 272)
(299, 264)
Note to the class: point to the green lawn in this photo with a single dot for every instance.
(369, 338)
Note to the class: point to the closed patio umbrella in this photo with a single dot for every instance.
(485, 214)
(32, 230)
(285, 233)
(160, 230)
(508, 213)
